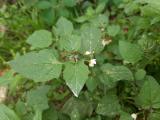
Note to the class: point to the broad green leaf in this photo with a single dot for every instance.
(38, 115)
(140, 74)
(37, 98)
(40, 39)
(53, 2)
(100, 7)
(149, 11)
(125, 116)
(48, 16)
(75, 75)
(7, 114)
(43, 4)
(130, 52)
(116, 73)
(107, 81)
(131, 8)
(30, 3)
(69, 3)
(20, 108)
(155, 20)
(146, 43)
(100, 21)
(109, 105)
(153, 4)
(7, 78)
(149, 96)
(70, 43)
(154, 115)
(79, 108)
(113, 30)
(75, 115)
(64, 12)
(91, 39)
(90, 12)
(50, 114)
(40, 66)
(117, 2)
(91, 84)
(82, 19)
(10, 80)
(64, 27)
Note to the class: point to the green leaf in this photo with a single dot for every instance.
(131, 8)
(48, 16)
(37, 98)
(125, 116)
(75, 115)
(43, 4)
(109, 105)
(154, 116)
(50, 114)
(7, 114)
(82, 19)
(40, 66)
(30, 3)
(140, 74)
(149, 96)
(116, 73)
(7, 78)
(64, 27)
(38, 115)
(149, 11)
(21, 108)
(130, 52)
(91, 84)
(100, 7)
(10, 80)
(40, 39)
(113, 30)
(107, 81)
(90, 12)
(153, 4)
(91, 39)
(75, 76)
(63, 12)
(70, 43)
(69, 3)
(100, 21)
(77, 108)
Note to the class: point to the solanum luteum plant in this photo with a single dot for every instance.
(90, 67)
(71, 54)
(69, 48)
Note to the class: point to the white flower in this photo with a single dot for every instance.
(106, 42)
(126, 62)
(134, 116)
(92, 62)
(88, 52)
(102, 29)
(3, 93)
